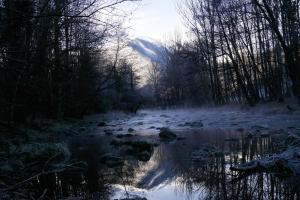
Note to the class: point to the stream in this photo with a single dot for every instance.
(196, 165)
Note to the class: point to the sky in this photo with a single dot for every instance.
(156, 19)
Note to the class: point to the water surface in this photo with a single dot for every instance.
(195, 167)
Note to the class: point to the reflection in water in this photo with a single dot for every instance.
(195, 168)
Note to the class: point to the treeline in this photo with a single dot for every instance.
(242, 51)
(55, 61)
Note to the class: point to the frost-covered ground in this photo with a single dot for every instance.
(227, 117)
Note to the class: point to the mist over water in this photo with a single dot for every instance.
(196, 166)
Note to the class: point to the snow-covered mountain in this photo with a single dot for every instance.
(149, 49)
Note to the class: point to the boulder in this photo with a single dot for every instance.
(167, 134)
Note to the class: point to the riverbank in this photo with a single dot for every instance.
(116, 138)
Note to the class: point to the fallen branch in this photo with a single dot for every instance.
(284, 164)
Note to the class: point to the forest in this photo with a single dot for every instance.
(96, 105)
(240, 52)
(55, 61)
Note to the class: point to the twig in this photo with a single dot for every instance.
(49, 160)
(42, 196)
(40, 174)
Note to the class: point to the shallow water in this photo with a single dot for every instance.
(196, 167)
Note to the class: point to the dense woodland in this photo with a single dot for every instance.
(241, 52)
(60, 58)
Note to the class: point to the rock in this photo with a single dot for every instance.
(124, 135)
(181, 138)
(152, 127)
(250, 135)
(130, 130)
(141, 150)
(2, 154)
(32, 152)
(140, 146)
(115, 142)
(2, 184)
(206, 154)
(128, 135)
(167, 134)
(198, 124)
(260, 128)
(108, 132)
(144, 156)
(111, 160)
(102, 124)
(134, 198)
(187, 124)
(6, 169)
(16, 164)
(292, 140)
(165, 116)
(81, 129)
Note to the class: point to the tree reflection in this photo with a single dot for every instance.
(214, 179)
(198, 165)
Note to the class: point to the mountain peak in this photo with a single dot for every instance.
(148, 48)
